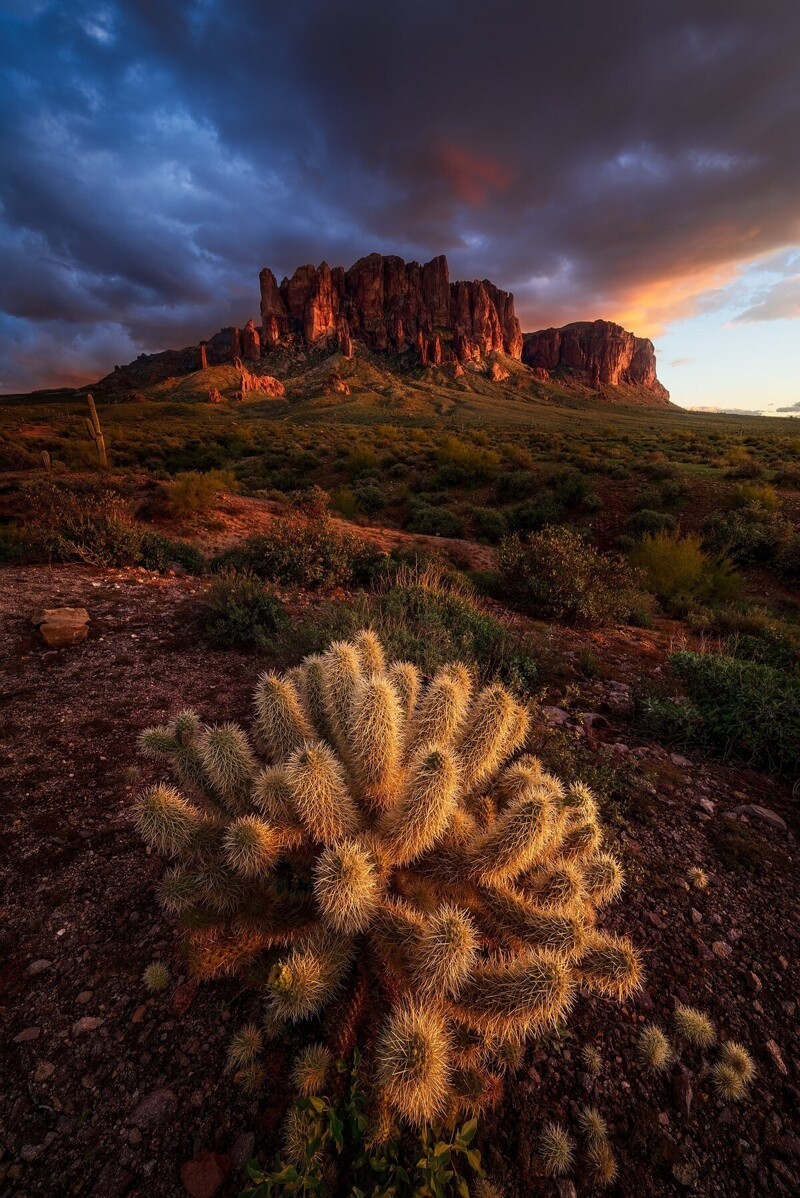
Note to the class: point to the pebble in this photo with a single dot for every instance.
(38, 967)
(84, 997)
(30, 1033)
(696, 916)
(764, 814)
(43, 1071)
(775, 1053)
(721, 948)
(156, 1107)
(89, 1023)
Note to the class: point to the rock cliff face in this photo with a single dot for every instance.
(391, 305)
(597, 354)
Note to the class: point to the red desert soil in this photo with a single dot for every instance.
(107, 1092)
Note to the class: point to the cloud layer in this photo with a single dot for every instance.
(598, 160)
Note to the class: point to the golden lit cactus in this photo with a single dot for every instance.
(398, 853)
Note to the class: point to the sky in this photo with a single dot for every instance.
(636, 161)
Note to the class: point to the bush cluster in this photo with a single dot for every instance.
(556, 574)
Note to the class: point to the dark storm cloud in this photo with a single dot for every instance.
(590, 157)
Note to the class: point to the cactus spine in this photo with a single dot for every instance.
(390, 837)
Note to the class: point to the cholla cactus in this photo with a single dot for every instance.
(421, 873)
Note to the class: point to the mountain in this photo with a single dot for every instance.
(597, 354)
(405, 317)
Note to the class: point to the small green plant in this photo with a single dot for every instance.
(335, 1138)
(156, 977)
(157, 552)
(239, 613)
(592, 1060)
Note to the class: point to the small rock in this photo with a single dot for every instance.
(30, 1033)
(139, 1014)
(155, 1108)
(43, 1071)
(38, 967)
(203, 1176)
(707, 806)
(764, 814)
(755, 981)
(696, 916)
(721, 948)
(775, 1053)
(682, 1089)
(565, 1188)
(89, 1023)
(685, 1174)
(84, 997)
(555, 715)
(134, 1136)
(656, 920)
(29, 1152)
(183, 997)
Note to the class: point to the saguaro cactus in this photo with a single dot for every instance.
(95, 432)
(414, 864)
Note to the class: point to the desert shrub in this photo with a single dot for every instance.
(85, 522)
(433, 521)
(675, 566)
(157, 552)
(747, 535)
(670, 720)
(306, 551)
(571, 489)
(647, 522)
(748, 710)
(748, 495)
(193, 493)
(343, 500)
(476, 462)
(514, 484)
(556, 574)
(535, 514)
(770, 647)
(362, 461)
(387, 835)
(370, 496)
(238, 613)
(788, 559)
(428, 619)
(490, 525)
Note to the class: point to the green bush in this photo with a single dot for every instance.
(239, 614)
(535, 514)
(433, 521)
(427, 620)
(747, 710)
(647, 522)
(672, 721)
(556, 574)
(748, 495)
(514, 484)
(84, 522)
(672, 565)
(747, 535)
(158, 552)
(306, 552)
(193, 493)
(490, 525)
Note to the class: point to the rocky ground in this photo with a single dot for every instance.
(108, 1092)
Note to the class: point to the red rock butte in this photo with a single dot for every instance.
(391, 306)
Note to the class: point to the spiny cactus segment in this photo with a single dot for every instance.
(426, 879)
(695, 1027)
(156, 977)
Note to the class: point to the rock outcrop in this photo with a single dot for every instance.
(596, 354)
(390, 305)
